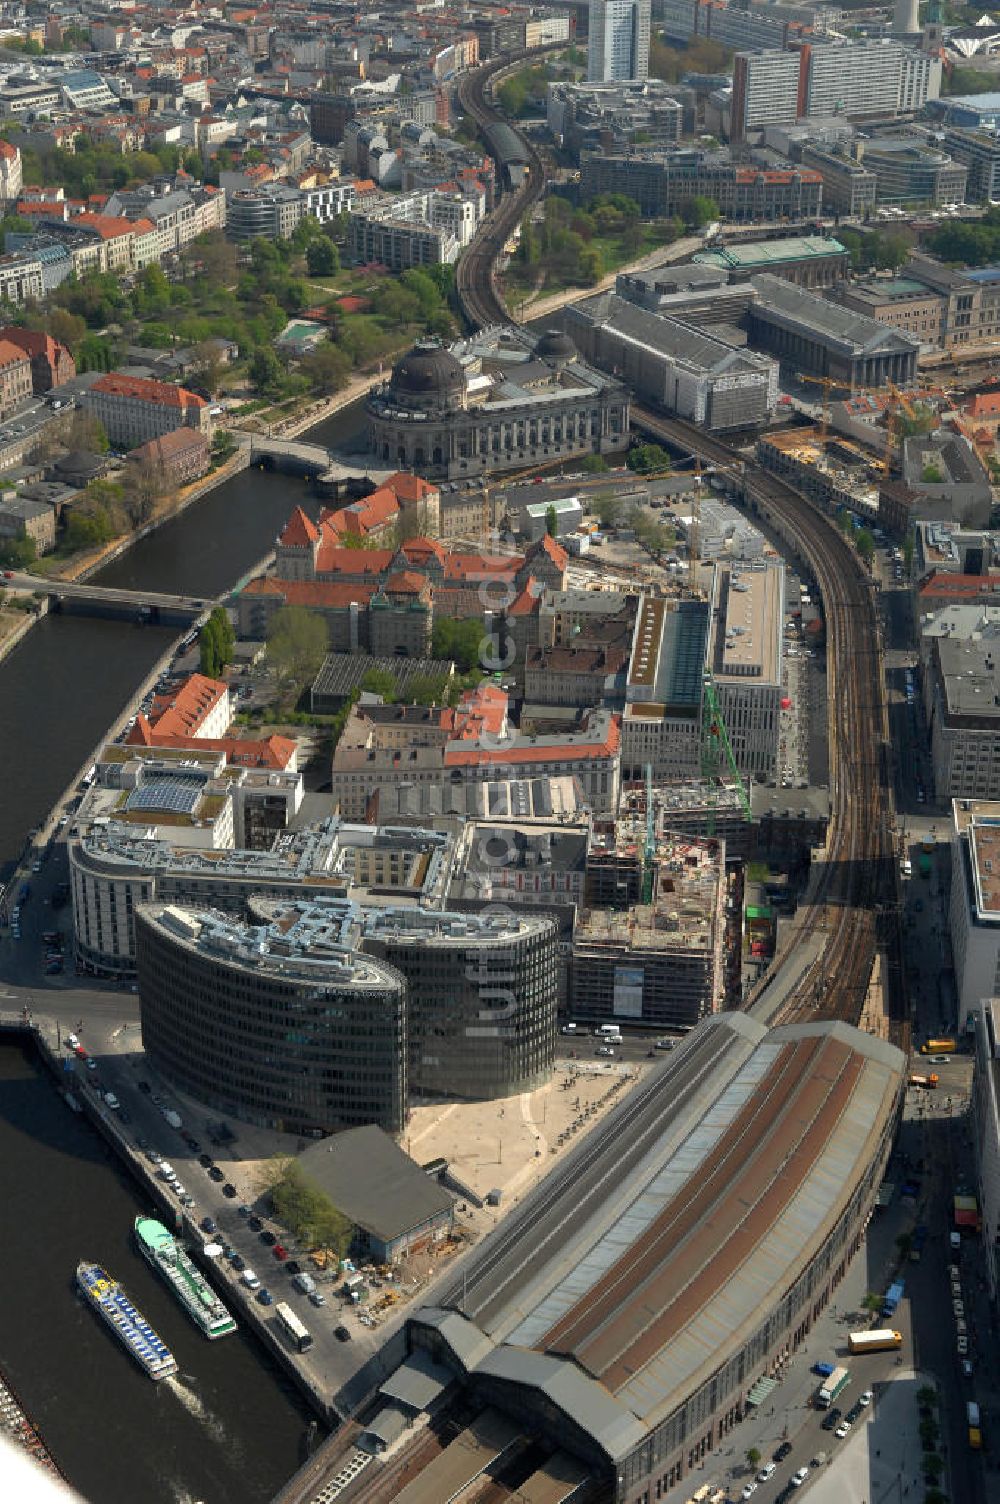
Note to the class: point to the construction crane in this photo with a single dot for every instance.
(716, 746)
(828, 384)
(650, 850)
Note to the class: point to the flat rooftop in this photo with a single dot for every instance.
(750, 622)
(984, 857)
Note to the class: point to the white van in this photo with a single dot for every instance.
(250, 1279)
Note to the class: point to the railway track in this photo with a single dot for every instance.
(476, 282)
(853, 904)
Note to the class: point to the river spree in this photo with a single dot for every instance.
(227, 1430)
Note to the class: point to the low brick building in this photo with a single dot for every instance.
(51, 362)
(179, 456)
(21, 518)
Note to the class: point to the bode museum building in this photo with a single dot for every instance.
(500, 400)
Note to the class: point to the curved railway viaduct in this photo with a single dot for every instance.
(852, 910)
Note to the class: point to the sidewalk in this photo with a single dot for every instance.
(881, 1457)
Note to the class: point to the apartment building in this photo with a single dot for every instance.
(664, 184)
(960, 652)
(618, 40)
(766, 91)
(848, 186)
(132, 409)
(21, 278)
(270, 211)
(15, 378)
(10, 172)
(51, 362)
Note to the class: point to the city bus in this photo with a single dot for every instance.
(293, 1328)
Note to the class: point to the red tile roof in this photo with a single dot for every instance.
(334, 559)
(419, 550)
(146, 390)
(527, 752)
(407, 487)
(321, 594)
(959, 586)
(108, 226)
(299, 532)
(462, 568)
(261, 752)
(11, 355)
(182, 711)
(526, 603)
(406, 582)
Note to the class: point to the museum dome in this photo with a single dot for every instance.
(428, 370)
(555, 348)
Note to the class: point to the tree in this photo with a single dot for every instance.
(865, 545)
(297, 642)
(18, 553)
(427, 689)
(327, 368)
(145, 482)
(208, 367)
(752, 1456)
(215, 642)
(702, 211)
(266, 371)
(593, 464)
(551, 520)
(378, 681)
(307, 1210)
(645, 458)
(66, 327)
(927, 1396)
(322, 258)
(87, 432)
(872, 1302)
(460, 641)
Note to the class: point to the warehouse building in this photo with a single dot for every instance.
(825, 339)
(633, 1325)
(684, 370)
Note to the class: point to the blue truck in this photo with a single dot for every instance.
(824, 1369)
(893, 1296)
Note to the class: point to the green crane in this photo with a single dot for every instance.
(715, 745)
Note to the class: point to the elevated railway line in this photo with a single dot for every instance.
(520, 184)
(852, 905)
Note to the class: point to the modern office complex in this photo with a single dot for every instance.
(664, 183)
(745, 658)
(318, 1014)
(481, 997)
(631, 1326)
(116, 867)
(499, 400)
(618, 40)
(280, 1024)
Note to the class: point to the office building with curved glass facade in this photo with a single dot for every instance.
(280, 1024)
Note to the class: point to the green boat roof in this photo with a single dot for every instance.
(152, 1232)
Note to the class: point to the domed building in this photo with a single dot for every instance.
(503, 399)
